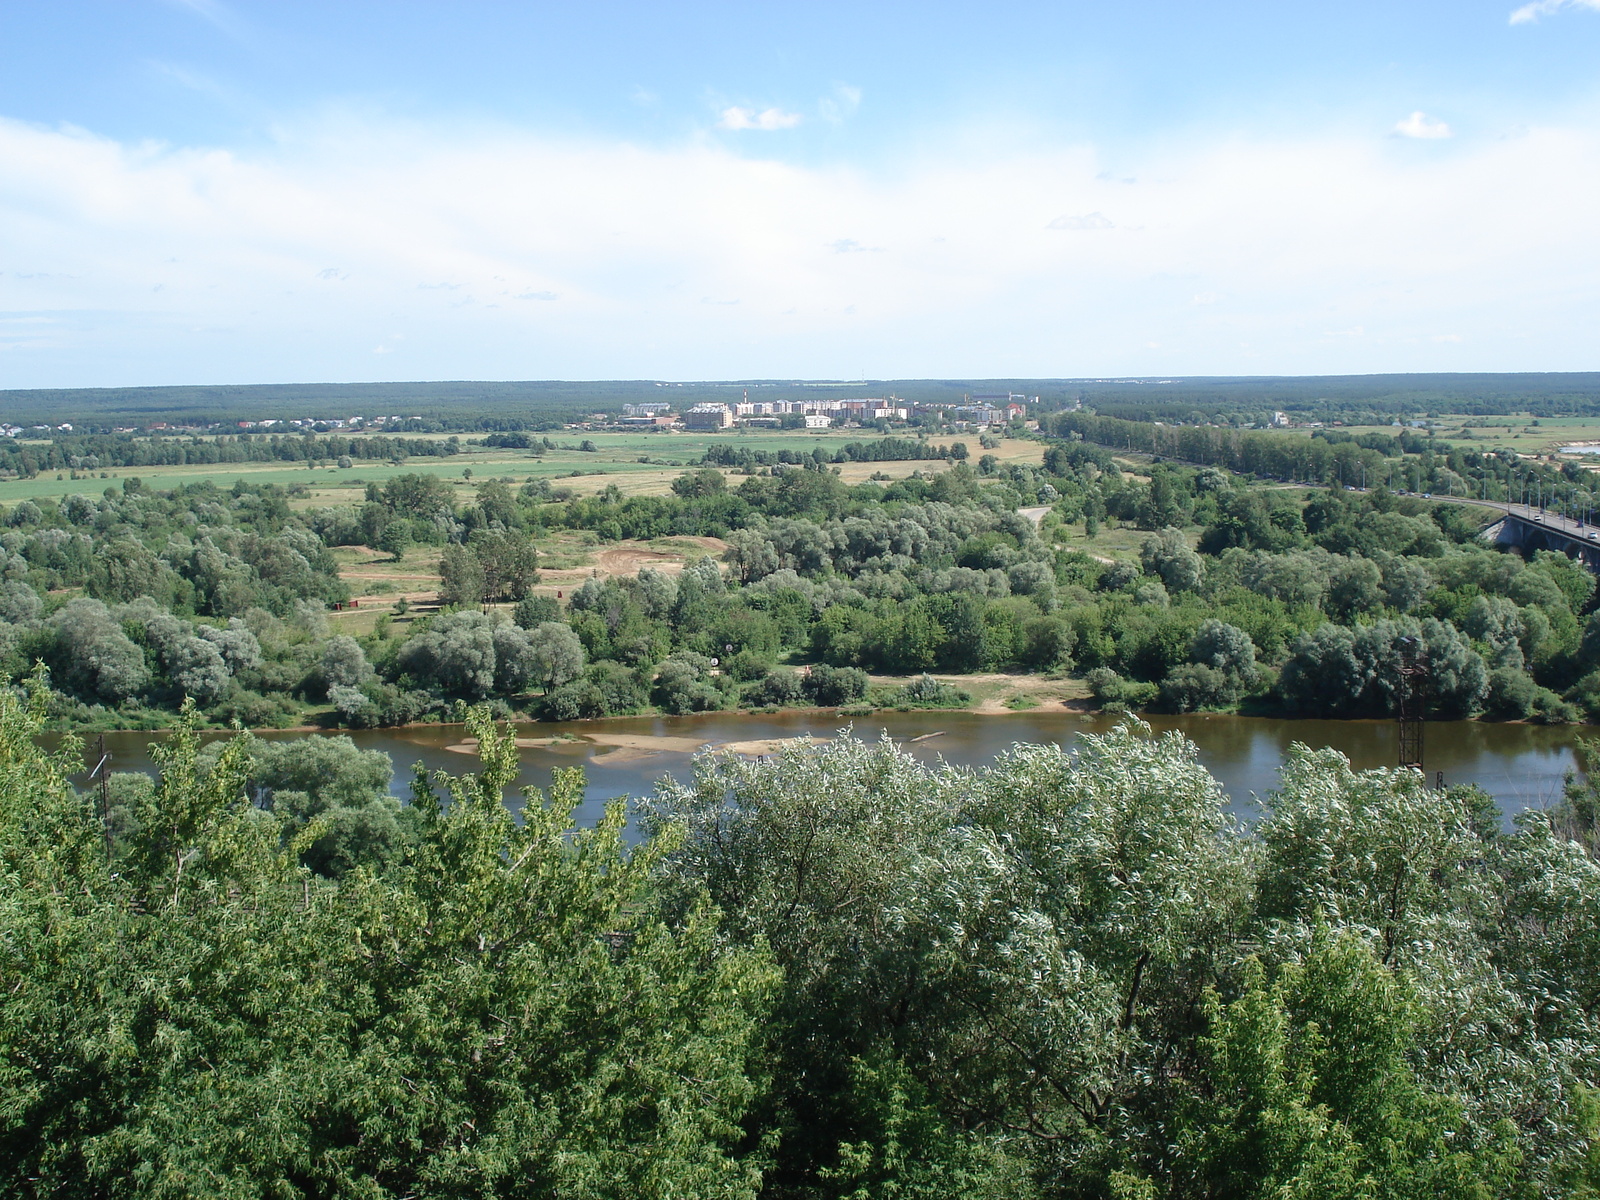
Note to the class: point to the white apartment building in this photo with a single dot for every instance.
(708, 416)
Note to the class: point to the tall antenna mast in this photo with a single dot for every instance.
(1414, 678)
(105, 794)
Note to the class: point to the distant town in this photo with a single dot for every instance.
(976, 411)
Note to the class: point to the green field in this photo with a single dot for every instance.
(617, 460)
(1522, 434)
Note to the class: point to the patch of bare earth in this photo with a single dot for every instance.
(629, 558)
(993, 692)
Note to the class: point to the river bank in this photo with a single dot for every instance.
(992, 694)
(1521, 766)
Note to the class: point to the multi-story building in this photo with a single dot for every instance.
(708, 416)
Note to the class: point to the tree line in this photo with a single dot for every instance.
(100, 452)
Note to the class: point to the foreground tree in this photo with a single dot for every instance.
(499, 1013)
(1072, 975)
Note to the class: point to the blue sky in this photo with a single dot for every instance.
(228, 191)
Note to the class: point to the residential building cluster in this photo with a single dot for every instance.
(326, 422)
(820, 414)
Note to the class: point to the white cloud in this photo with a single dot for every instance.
(767, 119)
(1092, 220)
(1421, 125)
(1299, 236)
(1547, 8)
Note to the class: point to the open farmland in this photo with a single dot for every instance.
(638, 463)
(1523, 434)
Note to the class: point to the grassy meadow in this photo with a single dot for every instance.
(638, 463)
(1521, 434)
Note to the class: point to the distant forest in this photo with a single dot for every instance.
(534, 404)
(1340, 397)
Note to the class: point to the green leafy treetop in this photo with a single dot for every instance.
(499, 1013)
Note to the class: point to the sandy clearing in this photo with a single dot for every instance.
(1047, 694)
(470, 745)
(628, 747)
(616, 559)
(646, 741)
(629, 558)
(995, 688)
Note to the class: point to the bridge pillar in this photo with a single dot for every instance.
(1516, 530)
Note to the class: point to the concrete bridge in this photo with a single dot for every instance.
(1529, 529)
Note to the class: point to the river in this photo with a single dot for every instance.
(1521, 766)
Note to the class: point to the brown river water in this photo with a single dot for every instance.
(1522, 766)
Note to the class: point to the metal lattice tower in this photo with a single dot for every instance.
(1414, 679)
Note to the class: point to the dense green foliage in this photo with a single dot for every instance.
(833, 974)
(1242, 596)
(498, 1011)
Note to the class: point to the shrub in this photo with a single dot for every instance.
(927, 692)
(1513, 696)
(532, 611)
(579, 700)
(829, 687)
(780, 689)
(355, 708)
(624, 691)
(1195, 685)
(1114, 693)
(685, 685)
